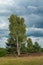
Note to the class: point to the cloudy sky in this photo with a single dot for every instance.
(31, 10)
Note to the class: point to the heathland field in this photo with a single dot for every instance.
(21, 60)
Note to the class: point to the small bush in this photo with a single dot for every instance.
(2, 52)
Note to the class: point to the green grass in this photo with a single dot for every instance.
(21, 60)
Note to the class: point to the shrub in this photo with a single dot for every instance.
(2, 52)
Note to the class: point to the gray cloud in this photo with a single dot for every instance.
(36, 32)
(31, 10)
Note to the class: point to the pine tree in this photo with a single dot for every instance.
(37, 47)
(29, 45)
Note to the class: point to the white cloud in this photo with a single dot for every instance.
(32, 7)
(6, 2)
(4, 11)
(3, 25)
(9, 3)
(3, 41)
(30, 29)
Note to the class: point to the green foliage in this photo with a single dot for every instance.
(11, 46)
(41, 49)
(23, 49)
(36, 47)
(33, 48)
(2, 52)
(17, 35)
(16, 26)
(29, 45)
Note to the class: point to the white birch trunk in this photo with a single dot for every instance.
(18, 48)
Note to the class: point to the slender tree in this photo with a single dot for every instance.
(30, 45)
(17, 30)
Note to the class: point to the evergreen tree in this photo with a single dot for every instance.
(11, 46)
(36, 47)
(29, 45)
(23, 49)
